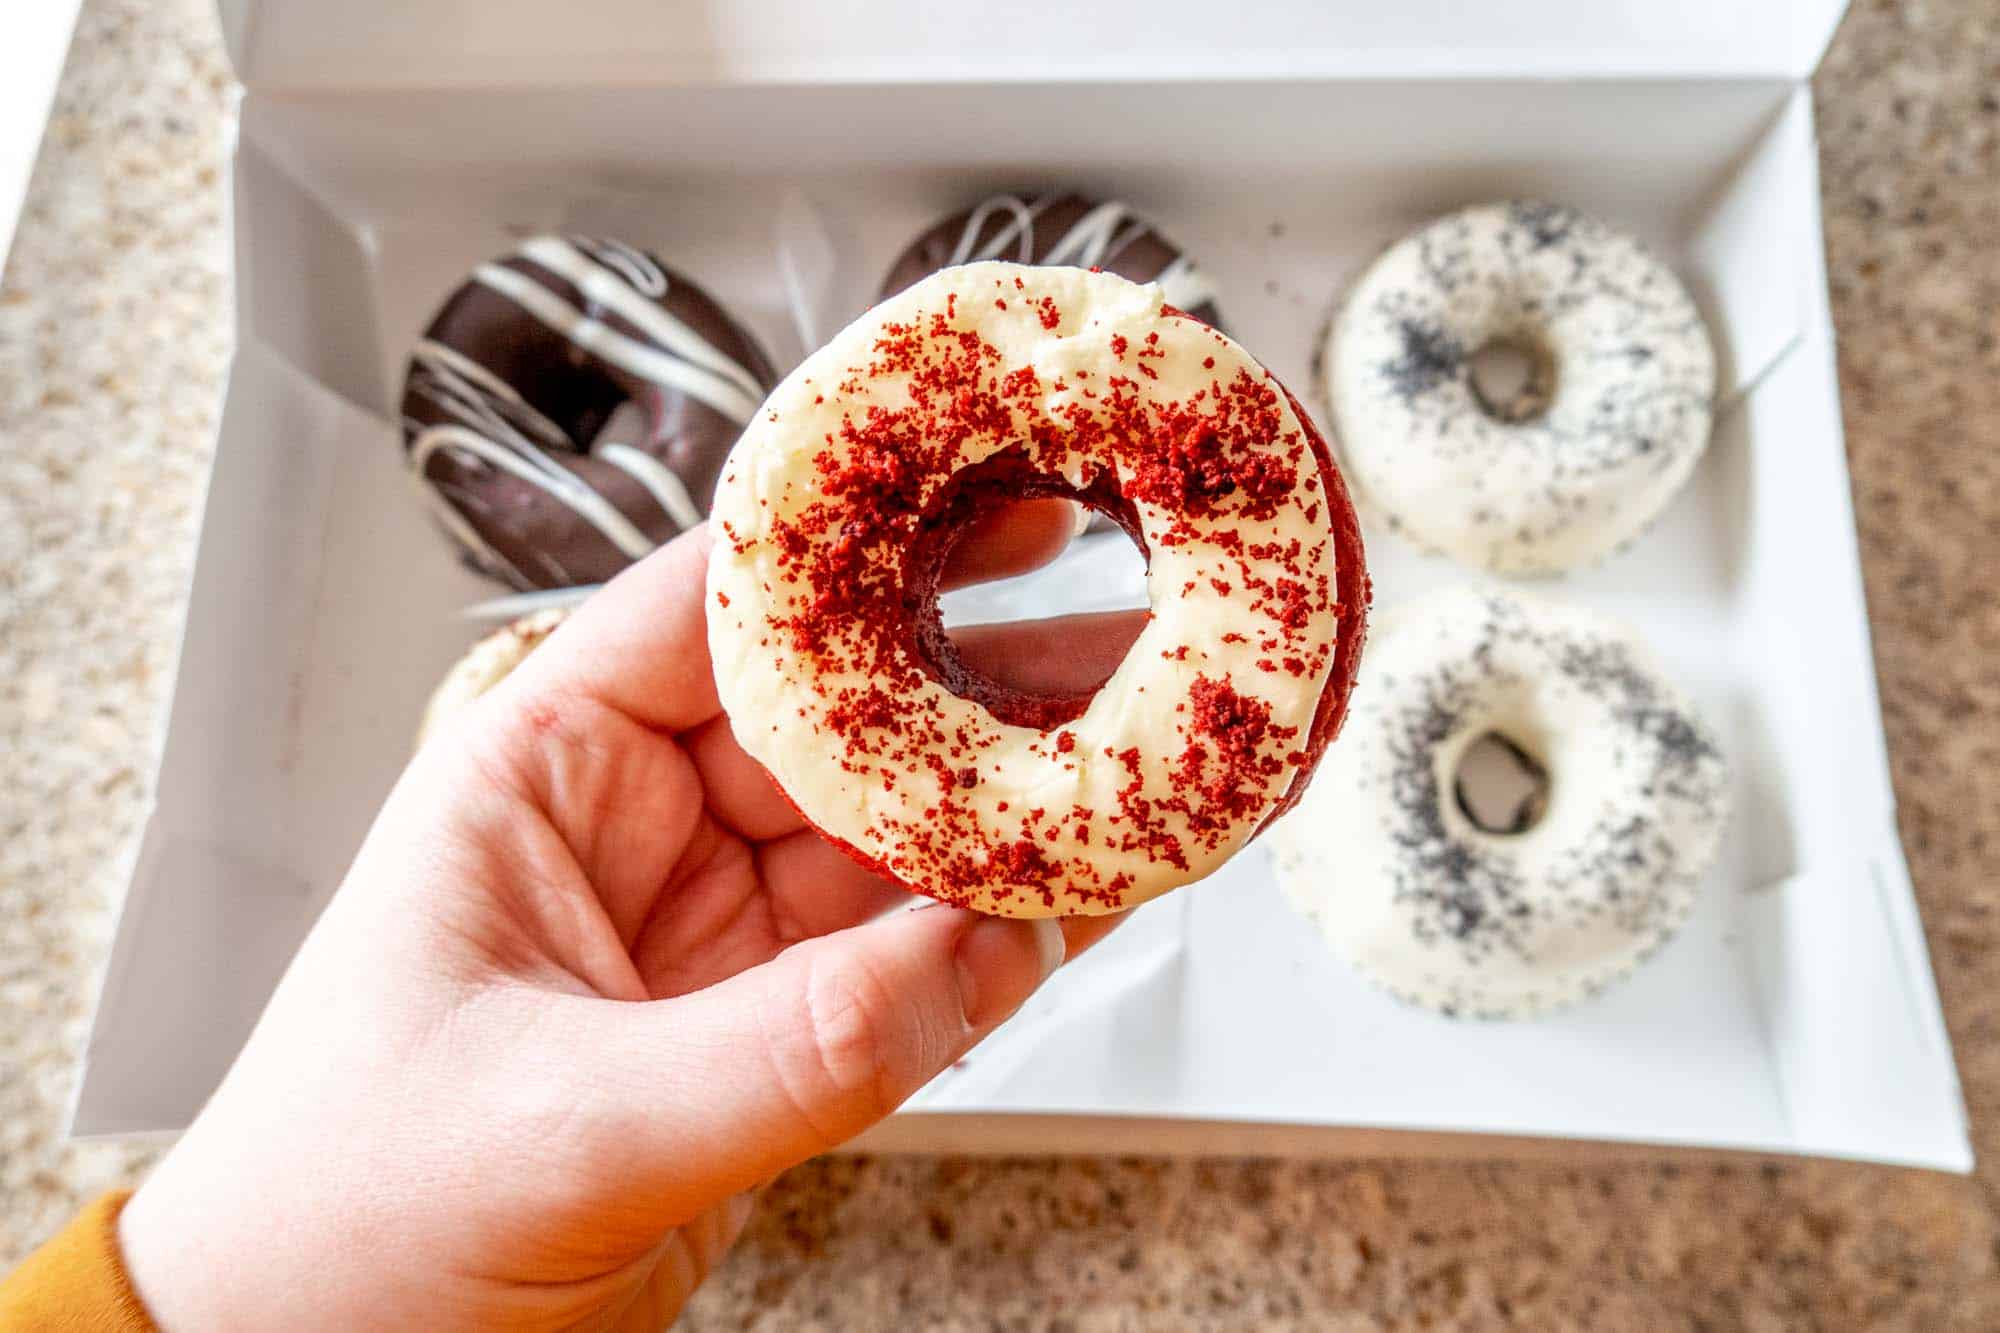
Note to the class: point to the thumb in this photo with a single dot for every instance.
(800, 1054)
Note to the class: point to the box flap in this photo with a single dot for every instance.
(1856, 1033)
(286, 729)
(296, 44)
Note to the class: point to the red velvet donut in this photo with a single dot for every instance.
(977, 386)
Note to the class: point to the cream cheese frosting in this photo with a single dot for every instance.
(1385, 854)
(1615, 416)
(1089, 384)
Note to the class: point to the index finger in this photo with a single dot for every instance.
(1018, 538)
(640, 644)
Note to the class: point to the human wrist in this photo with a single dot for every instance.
(175, 1263)
(203, 1254)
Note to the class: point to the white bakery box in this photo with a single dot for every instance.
(782, 151)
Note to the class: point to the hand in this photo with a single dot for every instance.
(589, 983)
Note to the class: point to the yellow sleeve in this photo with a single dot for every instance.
(76, 1283)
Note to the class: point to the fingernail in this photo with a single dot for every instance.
(1002, 961)
(1052, 944)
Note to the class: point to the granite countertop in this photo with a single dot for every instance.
(113, 342)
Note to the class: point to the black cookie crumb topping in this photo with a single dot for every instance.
(1461, 894)
(1429, 357)
(1545, 224)
(1626, 397)
(1467, 889)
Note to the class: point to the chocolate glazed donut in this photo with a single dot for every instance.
(1059, 229)
(510, 391)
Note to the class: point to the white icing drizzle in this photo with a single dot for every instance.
(444, 362)
(1093, 241)
(474, 402)
(608, 344)
(1022, 226)
(603, 286)
(492, 425)
(668, 490)
(445, 509)
(599, 512)
(491, 410)
(635, 266)
(1095, 238)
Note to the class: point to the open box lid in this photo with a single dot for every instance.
(307, 44)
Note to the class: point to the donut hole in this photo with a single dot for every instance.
(1052, 658)
(627, 423)
(1500, 785)
(1513, 377)
(1042, 679)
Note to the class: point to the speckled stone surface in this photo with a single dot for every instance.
(113, 338)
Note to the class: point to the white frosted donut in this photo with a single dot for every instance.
(1444, 913)
(485, 665)
(1615, 414)
(978, 385)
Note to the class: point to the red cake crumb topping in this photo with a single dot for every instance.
(896, 490)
